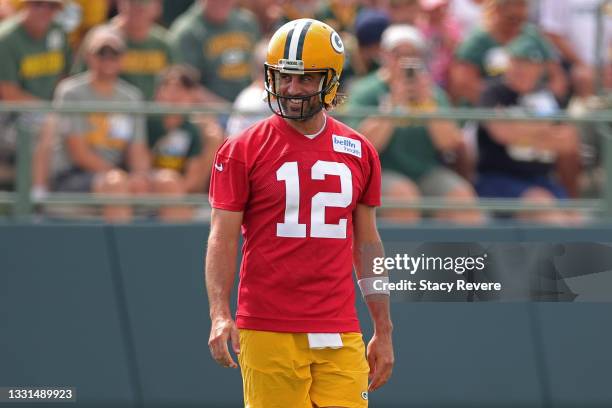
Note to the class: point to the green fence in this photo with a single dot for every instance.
(23, 203)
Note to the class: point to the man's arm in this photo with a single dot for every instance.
(84, 157)
(368, 246)
(465, 82)
(139, 157)
(219, 275)
(10, 91)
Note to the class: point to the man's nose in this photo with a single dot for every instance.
(295, 85)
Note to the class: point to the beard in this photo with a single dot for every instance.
(300, 107)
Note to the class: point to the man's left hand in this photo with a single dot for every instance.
(380, 359)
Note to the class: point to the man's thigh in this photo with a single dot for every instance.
(340, 376)
(275, 369)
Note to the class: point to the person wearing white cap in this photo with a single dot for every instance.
(102, 153)
(410, 152)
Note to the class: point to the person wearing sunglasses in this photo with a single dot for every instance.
(99, 152)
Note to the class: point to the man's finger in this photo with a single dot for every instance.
(235, 338)
(220, 352)
(372, 364)
(381, 376)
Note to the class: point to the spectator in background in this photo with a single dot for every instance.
(253, 98)
(467, 13)
(410, 153)
(181, 157)
(339, 14)
(293, 10)
(148, 52)
(217, 39)
(369, 26)
(403, 11)
(442, 34)
(571, 26)
(34, 55)
(34, 52)
(79, 16)
(517, 159)
(102, 153)
(269, 14)
(482, 54)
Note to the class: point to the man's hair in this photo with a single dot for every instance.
(188, 77)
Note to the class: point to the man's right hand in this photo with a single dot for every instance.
(223, 330)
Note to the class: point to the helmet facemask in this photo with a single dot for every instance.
(309, 105)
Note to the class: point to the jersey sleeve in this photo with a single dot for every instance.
(372, 192)
(229, 181)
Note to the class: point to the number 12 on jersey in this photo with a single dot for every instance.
(291, 228)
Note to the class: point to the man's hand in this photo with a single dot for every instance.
(222, 331)
(380, 359)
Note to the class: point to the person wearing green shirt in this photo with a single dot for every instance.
(410, 153)
(181, 160)
(34, 55)
(217, 38)
(147, 50)
(482, 55)
(34, 52)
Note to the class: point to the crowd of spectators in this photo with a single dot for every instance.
(402, 55)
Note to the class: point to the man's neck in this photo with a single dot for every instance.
(135, 32)
(102, 85)
(309, 126)
(33, 30)
(503, 35)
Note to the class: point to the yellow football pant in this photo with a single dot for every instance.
(280, 370)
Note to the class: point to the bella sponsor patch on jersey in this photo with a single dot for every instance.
(346, 145)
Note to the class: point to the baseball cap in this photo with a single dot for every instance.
(527, 48)
(398, 34)
(104, 37)
(369, 26)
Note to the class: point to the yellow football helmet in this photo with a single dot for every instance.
(304, 46)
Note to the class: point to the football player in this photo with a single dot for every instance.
(303, 188)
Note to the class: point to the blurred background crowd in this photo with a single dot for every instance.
(537, 56)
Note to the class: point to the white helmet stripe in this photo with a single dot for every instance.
(295, 38)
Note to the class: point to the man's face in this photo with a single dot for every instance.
(143, 12)
(524, 74)
(402, 59)
(41, 13)
(106, 62)
(403, 11)
(173, 92)
(513, 13)
(295, 85)
(218, 11)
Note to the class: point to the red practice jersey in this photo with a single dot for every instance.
(298, 196)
